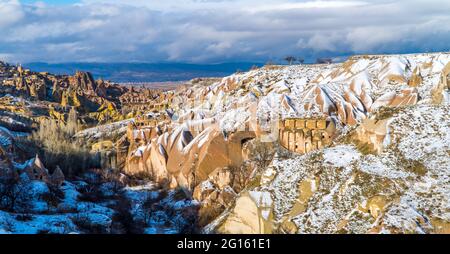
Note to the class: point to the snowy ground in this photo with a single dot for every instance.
(72, 214)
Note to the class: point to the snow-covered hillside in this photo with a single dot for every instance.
(345, 93)
(403, 189)
(391, 177)
(210, 155)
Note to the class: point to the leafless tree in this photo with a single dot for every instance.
(324, 61)
(57, 147)
(14, 195)
(290, 59)
(261, 153)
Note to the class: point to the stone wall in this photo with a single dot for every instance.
(304, 135)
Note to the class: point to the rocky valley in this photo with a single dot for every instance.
(361, 146)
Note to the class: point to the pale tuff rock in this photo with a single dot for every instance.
(187, 160)
(375, 206)
(7, 148)
(441, 92)
(252, 214)
(268, 175)
(374, 133)
(306, 189)
(57, 178)
(98, 98)
(406, 97)
(35, 170)
(216, 194)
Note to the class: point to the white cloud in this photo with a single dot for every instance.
(10, 12)
(366, 38)
(219, 30)
(323, 42)
(306, 5)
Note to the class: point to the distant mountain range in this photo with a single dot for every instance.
(144, 72)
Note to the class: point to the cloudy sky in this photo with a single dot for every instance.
(211, 31)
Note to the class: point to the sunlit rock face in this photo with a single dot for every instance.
(252, 214)
(441, 93)
(179, 158)
(97, 99)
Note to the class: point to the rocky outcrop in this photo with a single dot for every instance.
(35, 170)
(180, 158)
(141, 100)
(441, 93)
(186, 151)
(101, 98)
(207, 135)
(406, 97)
(252, 214)
(416, 78)
(105, 154)
(83, 82)
(374, 133)
(80, 92)
(33, 86)
(220, 190)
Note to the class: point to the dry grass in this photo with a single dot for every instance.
(387, 112)
(57, 147)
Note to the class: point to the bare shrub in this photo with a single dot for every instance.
(8, 225)
(123, 218)
(53, 197)
(14, 195)
(188, 223)
(84, 224)
(290, 59)
(283, 153)
(91, 193)
(59, 148)
(151, 204)
(261, 153)
(24, 217)
(324, 61)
